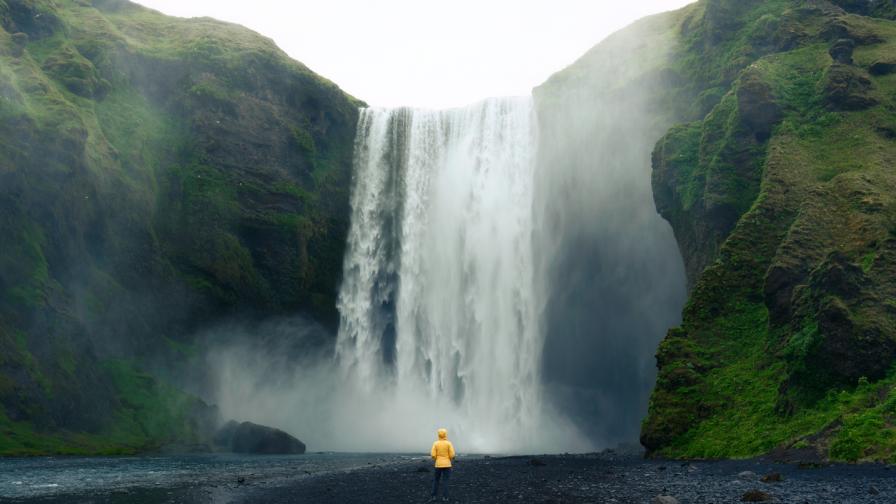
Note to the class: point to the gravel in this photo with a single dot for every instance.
(607, 477)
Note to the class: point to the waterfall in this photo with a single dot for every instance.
(438, 304)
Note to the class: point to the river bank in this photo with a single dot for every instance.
(606, 477)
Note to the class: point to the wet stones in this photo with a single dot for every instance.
(772, 478)
(746, 476)
(756, 496)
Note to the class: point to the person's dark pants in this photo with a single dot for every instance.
(441, 472)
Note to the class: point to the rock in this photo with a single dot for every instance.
(772, 478)
(846, 88)
(536, 462)
(756, 496)
(746, 475)
(840, 28)
(780, 280)
(882, 67)
(664, 499)
(758, 109)
(873, 490)
(841, 51)
(850, 342)
(248, 437)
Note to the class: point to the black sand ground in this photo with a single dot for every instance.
(596, 478)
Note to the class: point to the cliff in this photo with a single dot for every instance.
(156, 175)
(782, 200)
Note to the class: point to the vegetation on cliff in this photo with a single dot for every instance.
(780, 188)
(156, 174)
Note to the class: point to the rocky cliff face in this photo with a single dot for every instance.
(156, 175)
(782, 200)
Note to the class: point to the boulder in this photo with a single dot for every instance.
(664, 499)
(247, 437)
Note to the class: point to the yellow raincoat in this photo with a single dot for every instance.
(442, 450)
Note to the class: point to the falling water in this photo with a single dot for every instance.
(438, 305)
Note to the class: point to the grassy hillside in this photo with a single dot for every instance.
(780, 188)
(156, 175)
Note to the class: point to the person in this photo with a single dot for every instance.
(443, 453)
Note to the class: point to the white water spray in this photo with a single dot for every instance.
(438, 303)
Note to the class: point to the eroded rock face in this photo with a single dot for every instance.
(804, 279)
(848, 337)
(842, 27)
(841, 51)
(847, 88)
(703, 204)
(759, 111)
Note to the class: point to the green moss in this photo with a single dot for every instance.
(868, 261)
(151, 415)
(24, 264)
(684, 143)
(727, 383)
(303, 140)
(151, 412)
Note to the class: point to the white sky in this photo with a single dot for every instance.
(429, 53)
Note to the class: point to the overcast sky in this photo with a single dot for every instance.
(429, 53)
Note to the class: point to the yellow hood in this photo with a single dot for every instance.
(443, 433)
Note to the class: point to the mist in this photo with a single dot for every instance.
(609, 263)
(507, 277)
(283, 373)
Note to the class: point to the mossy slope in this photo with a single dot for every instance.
(156, 174)
(783, 200)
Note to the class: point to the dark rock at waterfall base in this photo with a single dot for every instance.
(247, 437)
